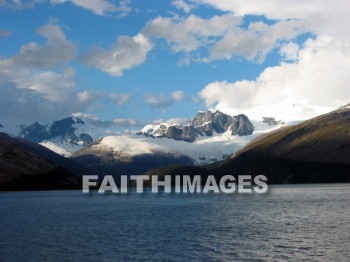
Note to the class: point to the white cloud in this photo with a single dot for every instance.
(128, 122)
(171, 121)
(275, 9)
(18, 104)
(158, 101)
(319, 16)
(100, 7)
(255, 42)
(126, 53)
(162, 101)
(222, 35)
(178, 95)
(189, 34)
(56, 51)
(31, 95)
(18, 5)
(290, 51)
(54, 86)
(119, 98)
(238, 95)
(115, 123)
(182, 5)
(41, 92)
(316, 83)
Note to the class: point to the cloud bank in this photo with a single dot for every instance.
(126, 53)
(310, 80)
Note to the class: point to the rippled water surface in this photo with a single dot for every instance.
(298, 222)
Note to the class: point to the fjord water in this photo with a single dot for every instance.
(295, 222)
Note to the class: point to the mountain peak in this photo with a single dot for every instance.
(205, 123)
(62, 131)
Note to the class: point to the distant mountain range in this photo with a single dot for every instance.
(209, 137)
(63, 136)
(213, 136)
(315, 151)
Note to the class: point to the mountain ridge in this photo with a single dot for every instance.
(205, 123)
(139, 153)
(314, 151)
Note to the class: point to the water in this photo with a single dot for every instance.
(300, 223)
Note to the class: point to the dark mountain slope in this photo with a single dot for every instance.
(25, 165)
(47, 154)
(324, 139)
(22, 170)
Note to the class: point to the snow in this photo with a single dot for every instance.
(66, 148)
(213, 110)
(206, 123)
(59, 149)
(60, 145)
(149, 129)
(204, 150)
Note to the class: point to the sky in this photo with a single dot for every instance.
(124, 64)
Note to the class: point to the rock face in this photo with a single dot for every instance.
(271, 121)
(203, 124)
(61, 129)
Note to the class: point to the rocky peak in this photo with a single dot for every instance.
(241, 126)
(62, 129)
(218, 120)
(64, 126)
(35, 132)
(271, 121)
(203, 124)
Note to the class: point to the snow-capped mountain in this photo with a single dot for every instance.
(63, 136)
(313, 151)
(154, 146)
(210, 136)
(203, 124)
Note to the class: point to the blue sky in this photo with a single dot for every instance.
(149, 60)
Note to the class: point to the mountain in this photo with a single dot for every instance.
(63, 136)
(150, 148)
(71, 134)
(203, 124)
(127, 155)
(315, 151)
(47, 154)
(25, 165)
